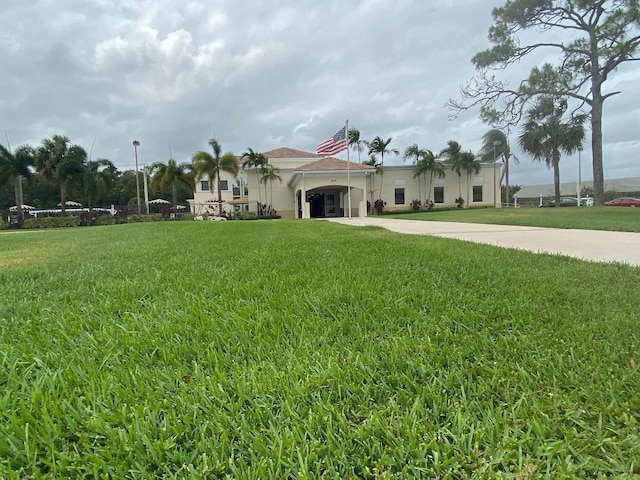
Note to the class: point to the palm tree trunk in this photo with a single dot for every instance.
(219, 195)
(17, 188)
(428, 193)
(381, 174)
(174, 195)
(63, 197)
(265, 192)
(259, 194)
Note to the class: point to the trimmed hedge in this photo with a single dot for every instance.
(105, 220)
(51, 222)
(245, 216)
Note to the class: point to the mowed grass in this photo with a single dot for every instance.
(307, 349)
(589, 218)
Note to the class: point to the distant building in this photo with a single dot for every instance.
(311, 186)
(569, 189)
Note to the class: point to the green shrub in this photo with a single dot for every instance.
(30, 223)
(71, 221)
(51, 222)
(144, 218)
(46, 222)
(245, 216)
(3, 225)
(105, 220)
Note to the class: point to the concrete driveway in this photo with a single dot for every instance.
(592, 245)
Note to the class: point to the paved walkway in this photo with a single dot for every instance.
(592, 245)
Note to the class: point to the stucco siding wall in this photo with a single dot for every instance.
(396, 177)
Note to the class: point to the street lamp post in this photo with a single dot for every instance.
(136, 144)
(497, 143)
(145, 174)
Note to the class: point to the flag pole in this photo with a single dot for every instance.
(346, 133)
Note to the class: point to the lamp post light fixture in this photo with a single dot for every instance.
(136, 144)
(497, 143)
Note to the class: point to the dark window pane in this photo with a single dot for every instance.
(438, 195)
(399, 196)
(477, 194)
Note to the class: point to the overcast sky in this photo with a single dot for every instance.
(262, 74)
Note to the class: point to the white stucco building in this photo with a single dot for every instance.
(311, 186)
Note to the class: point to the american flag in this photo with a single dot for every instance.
(333, 145)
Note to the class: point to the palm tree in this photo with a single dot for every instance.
(14, 167)
(255, 160)
(372, 162)
(414, 152)
(428, 164)
(57, 159)
(98, 179)
(545, 135)
(452, 156)
(166, 175)
(379, 146)
(355, 142)
(471, 166)
(460, 162)
(205, 164)
(496, 144)
(269, 174)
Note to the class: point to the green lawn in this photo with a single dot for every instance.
(590, 218)
(307, 349)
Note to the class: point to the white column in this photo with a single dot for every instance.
(363, 210)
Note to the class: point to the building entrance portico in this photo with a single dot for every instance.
(330, 188)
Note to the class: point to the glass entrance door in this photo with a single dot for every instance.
(330, 209)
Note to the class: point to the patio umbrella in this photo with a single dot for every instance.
(159, 201)
(71, 203)
(24, 207)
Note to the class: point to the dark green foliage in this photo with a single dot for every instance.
(245, 216)
(547, 134)
(51, 222)
(105, 220)
(144, 218)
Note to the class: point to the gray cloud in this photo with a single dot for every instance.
(259, 74)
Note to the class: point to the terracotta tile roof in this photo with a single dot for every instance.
(330, 163)
(289, 153)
